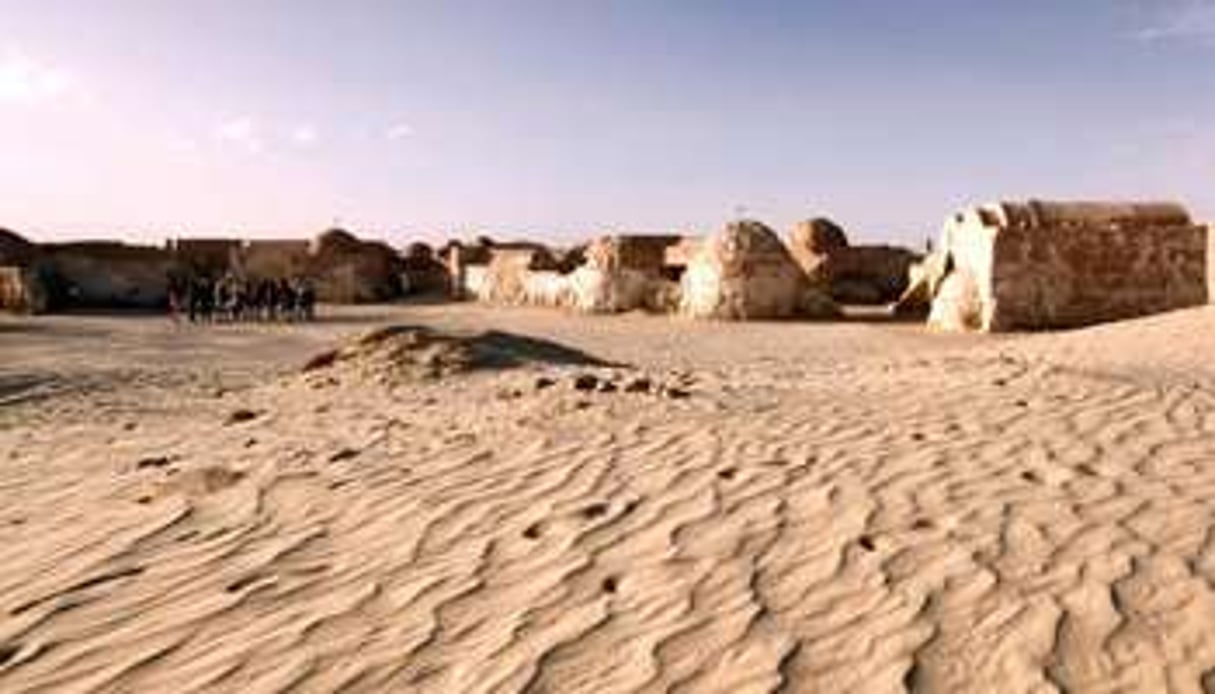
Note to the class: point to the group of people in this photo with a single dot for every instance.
(233, 299)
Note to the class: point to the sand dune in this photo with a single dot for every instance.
(731, 508)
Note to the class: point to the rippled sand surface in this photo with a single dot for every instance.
(636, 504)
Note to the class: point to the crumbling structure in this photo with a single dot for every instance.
(610, 275)
(852, 274)
(745, 272)
(1033, 265)
(21, 289)
(108, 274)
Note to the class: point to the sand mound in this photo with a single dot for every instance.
(399, 353)
(402, 353)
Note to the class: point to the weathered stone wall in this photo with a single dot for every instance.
(22, 290)
(811, 241)
(272, 259)
(874, 274)
(505, 278)
(347, 270)
(1057, 265)
(618, 273)
(626, 273)
(426, 272)
(15, 250)
(852, 274)
(472, 279)
(643, 253)
(211, 257)
(106, 275)
(745, 273)
(1210, 262)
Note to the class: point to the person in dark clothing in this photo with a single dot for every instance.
(307, 300)
(286, 299)
(177, 295)
(266, 299)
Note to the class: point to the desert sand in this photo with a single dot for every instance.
(604, 504)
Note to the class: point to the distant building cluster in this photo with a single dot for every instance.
(1007, 266)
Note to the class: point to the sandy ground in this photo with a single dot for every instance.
(728, 507)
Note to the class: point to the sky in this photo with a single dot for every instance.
(561, 119)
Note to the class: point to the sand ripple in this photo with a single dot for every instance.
(970, 522)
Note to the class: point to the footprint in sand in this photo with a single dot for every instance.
(157, 461)
(596, 510)
(240, 416)
(344, 454)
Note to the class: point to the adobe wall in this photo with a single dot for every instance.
(21, 290)
(1058, 265)
(1210, 263)
(745, 272)
(274, 258)
(211, 257)
(853, 274)
(106, 275)
(620, 273)
(641, 252)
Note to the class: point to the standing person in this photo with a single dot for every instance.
(175, 298)
(286, 299)
(266, 298)
(206, 299)
(248, 307)
(307, 299)
(221, 298)
(194, 298)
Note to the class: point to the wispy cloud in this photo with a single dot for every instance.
(399, 131)
(1179, 20)
(304, 135)
(24, 80)
(241, 132)
(183, 145)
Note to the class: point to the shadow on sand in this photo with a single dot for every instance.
(410, 346)
(506, 350)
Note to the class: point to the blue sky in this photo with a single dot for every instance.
(564, 118)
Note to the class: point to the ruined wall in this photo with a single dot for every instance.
(1058, 265)
(506, 277)
(274, 259)
(1210, 263)
(22, 290)
(106, 275)
(426, 272)
(852, 274)
(211, 257)
(645, 253)
(617, 273)
(347, 270)
(472, 279)
(746, 273)
(628, 273)
(15, 250)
